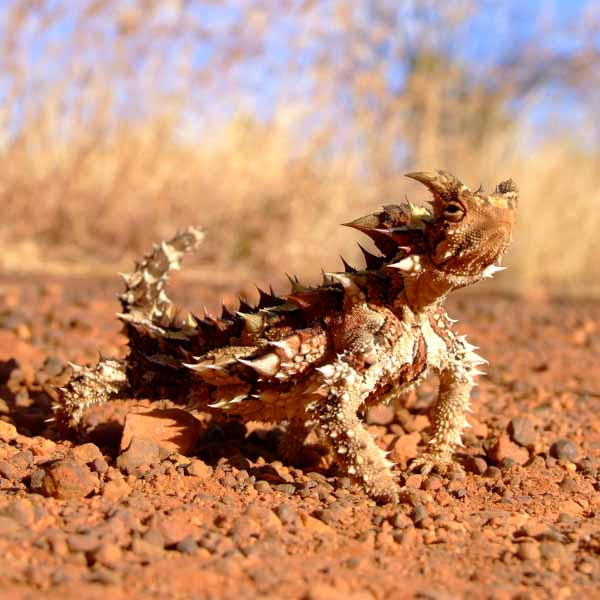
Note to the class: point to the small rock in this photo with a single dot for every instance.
(335, 514)
(564, 450)
(100, 465)
(493, 472)
(568, 484)
(22, 460)
(287, 514)
(69, 480)
(155, 537)
(145, 550)
(286, 488)
(314, 525)
(104, 576)
(116, 489)
(477, 465)
(262, 487)
(8, 431)
(264, 517)
(173, 528)
(419, 514)
(432, 483)
(187, 545)
(405, 447)
(173, 429)
(401, 521)
(141, 451)
(381, 414)
(53, 366)
(504, 448)
(83, 542)
(8, 526)
(22, 511)
(414, 480)
(109, 554)
(478, 428)
(529, 550)
(9, 471)
(522, 431)
(86, 453)
(586, 567)
(36, 479)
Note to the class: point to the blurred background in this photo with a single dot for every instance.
(271, 122)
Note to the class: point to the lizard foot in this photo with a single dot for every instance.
(433, 460)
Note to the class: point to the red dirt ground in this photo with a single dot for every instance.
(229, 520)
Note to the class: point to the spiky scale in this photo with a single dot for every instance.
(266, 365)
(372, 261)
(348, 268)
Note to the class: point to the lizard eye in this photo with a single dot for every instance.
(454, 212)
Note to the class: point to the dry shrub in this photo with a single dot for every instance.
(108, 141)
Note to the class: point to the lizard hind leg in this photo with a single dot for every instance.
(291, 445)
(89, 386)
(355, 448)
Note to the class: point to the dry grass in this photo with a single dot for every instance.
(86, 186)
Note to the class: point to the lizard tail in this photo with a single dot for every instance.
(146, 309)
(144, 299)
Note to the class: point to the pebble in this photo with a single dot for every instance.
(287, 514)
(529, 550)
(477, 465)
(198, 468)
(9, 471)
(286, 488)
(173, 528)
(335, 514)
(22, 460)
(174, 429)
(187, 545)
(493, 472)
(140, 452)
(405, 447)
(116, 488)
(145, 550)
(8, 431)
(22, 511)
(262, 487)
(83, 542)
(105, 576)
(314, 525)
(381, 414)
(522, 431)
(86, 453)
(68, 480)
(109, 554)
(564, 449)
(504, 448)
(8, 526)
(401, 521)
(100, 465)
(419, 514)
(568, 484)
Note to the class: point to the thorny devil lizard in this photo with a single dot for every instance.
(317, 356)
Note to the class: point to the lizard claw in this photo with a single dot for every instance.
(432, 461)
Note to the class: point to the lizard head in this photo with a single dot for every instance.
(458, 242)
(469, 232)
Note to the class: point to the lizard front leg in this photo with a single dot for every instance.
(336, 414)
(375, 346)
(448, 414)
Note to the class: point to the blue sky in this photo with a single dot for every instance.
(498, 28)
